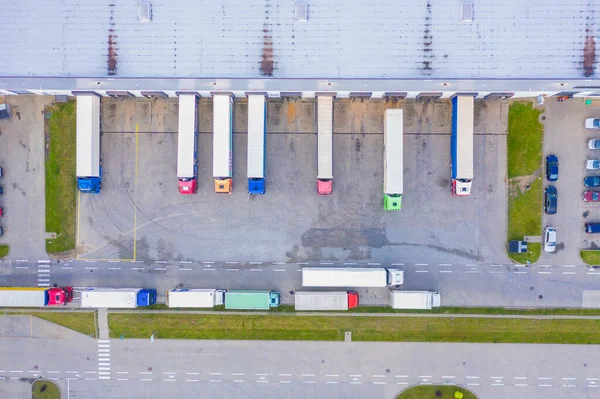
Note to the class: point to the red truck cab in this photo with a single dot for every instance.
(324, 186)
(188, 186)
(352, 299)
(59, 296)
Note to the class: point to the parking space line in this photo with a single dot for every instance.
(494, 272)
(445, 271)
(397, 264)
(421, 271)
(421, 264)
(207, 270)
(279, 270)
(184, 269)
(22, 267)
(232, 270)
(256, 270)
(568, 272)
(184, 262)
(544, 272)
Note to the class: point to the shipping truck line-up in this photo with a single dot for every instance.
(88, 165)
(324, 145)
(118, 298)
(257, 114)
(251, 300)
(351, 277)
(325, 300)
(35, 297)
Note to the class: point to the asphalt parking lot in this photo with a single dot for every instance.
(566, 137)
(140, 214)
(22, 159)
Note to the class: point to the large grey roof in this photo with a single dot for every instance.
(401, 39)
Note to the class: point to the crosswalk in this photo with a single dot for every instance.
(104, 359)
(43, 275)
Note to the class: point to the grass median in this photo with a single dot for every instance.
(327, 328)
(44, 389)
(590, 256)
(4, 250)
(83, 322)
(524, 144)
(435, 392)
(61, 195)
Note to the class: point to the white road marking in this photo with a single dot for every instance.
(569, 266)
(569, 378)
(114, 268)
(89, 261)
(215, 373)
(239, 381)
(445, 264)
(232, 270)
(146, 379)
(421, 264)
(374, 264)
(402, 383)
(520, 385)
(122, 372)
(192, 380)
(285, 382)
(472, 376)
(308, 375)
(332, 375)
(137, 268)
(231, 263)
(255, 263)
(332, 382)
(90, 268)
(308, 382)
(182, 269)
(15, 371)
(242, 374)
(355, 382)
(208, 263)
(161, 261)
(326, 263)
(445, 271)
(256, 270)
(472, 271)
(279, 270)
(568, 272)
(122, 379)
(66, 268)
(184, 262)
(401, 376)
(424, 376)
(192, 373)
(285, 375)
(22, 260)
(114, 261)
(448, 376)
(160, 268)
(264, 381)
(22, 267)
(544, 272)
(207, 270)
(519, 272)
(472, 384)
(544, 378)
(379, 382)
(520, 378)
(397, 264)
(422, 271)
(378, 376)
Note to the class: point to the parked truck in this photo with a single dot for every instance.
(462, 144)
(123, 298)
(414, 299)
(223, 142)
(351, 277)
(88, 166)
(329, 300)
(195, 298)
(393, 160)
(35, 297)
(257, 114)
(187, 144)
(324, 145)
(251, 300)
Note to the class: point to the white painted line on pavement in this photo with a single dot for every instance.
(146, 379)
(278, 263)
(232, 270)
(592, 273)
(570, 266)
(67, 268)
(89, 261)
(160, 268)
(402, 383)
(208, 263)
(543, 265)
(472, 376)
(421, 264)
(592, 379)
(22, 260)
(215, 380)
(122, 372)
(231, 263)
(332, 375)
(374, 264)
(144, 372)
(263, 374)
(285, 382)
(242, 374)
(256, 270)
(568, 378)
(308, 375)
(496, 378)
(284, 375)
(15, 371)
(378, 376)
(495, 272)
(356, 375)
(474, 265)
(44, 261)
(544, 378)
(401, 376)
(137, 261)
(90, 379)
(22, 267)
(43, 280)
(172, 380)
(519, 272)
(520, 378)
(445, 271)
(122, 379)
(49, 371)
(215, 373)
(472, 271)
(379, 382)
(182, 269)
(239, 381)
(161, 261)
(332, 382)
(114, 268)
(104, 369)
(568, 272)
(279, 270)
(114, 261)
(355, 382)
(43, 285)
(90, 268)
(137, 268)
(445, 264)
(472, 384)
(192, 380)
(448, 376)
(208, 270)
(397, 264)
(424, 376)
(520, 385)
(255, 263)
(103, 350)
(169, 373)
(185, 262)
(308, 382)
(544, 272)
(326, 263)
(421, 271)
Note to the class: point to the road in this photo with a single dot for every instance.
(500, 285)
(90, 368)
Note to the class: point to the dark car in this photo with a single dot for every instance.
(1, 190)
(591, 181)
(591, 196)
(5, 111)
(592, 228)
(550, 200)
(552, 168)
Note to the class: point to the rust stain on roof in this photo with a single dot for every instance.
(112, 49)
(267, 64)
(589, 56)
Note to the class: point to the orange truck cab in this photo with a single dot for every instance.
(223, 185)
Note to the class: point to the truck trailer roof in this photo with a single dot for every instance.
(88, 135)
(23, 296)
(343, 277)
(247, 299)
(186, 136)
(319, 300)
(256, 135)
(222, 120)
(191, 298)
(412, 299)
(393, 152)
(109, 298)
(462, 137)
(325, 137)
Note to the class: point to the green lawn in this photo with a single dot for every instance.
(4, 249)
(590, 256)
(525, 135)
(320, 328)
(435, 392)
(61, 195)
(44, 389)
(83, 322)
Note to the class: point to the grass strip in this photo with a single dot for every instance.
(322, 328)
(61, 195)
(590, 256)
(524, 146)
(435, 392)
(83, 322)
(44, 389)
(4, 250)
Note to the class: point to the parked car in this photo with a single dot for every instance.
(1, 211)
(592, 228)
(592, 164)
(1, 190)
(1, 171)
(591, 181)
(594, 144)
(552, 168)
(1, 231)
(550, 200)
(549, 239)
(5, 111)
(592, 123)
(591, 196)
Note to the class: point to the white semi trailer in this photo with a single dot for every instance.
(351, 277)
(195, 298)
(423, 300)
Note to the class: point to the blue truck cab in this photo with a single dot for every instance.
(274, 299)
(146, 297)
(91, 185)
(256, 185)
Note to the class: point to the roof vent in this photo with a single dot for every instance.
(301, 12)
(466, 11)
(144, 12)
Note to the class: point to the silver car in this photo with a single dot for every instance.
(549, 239)
(592, 164)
